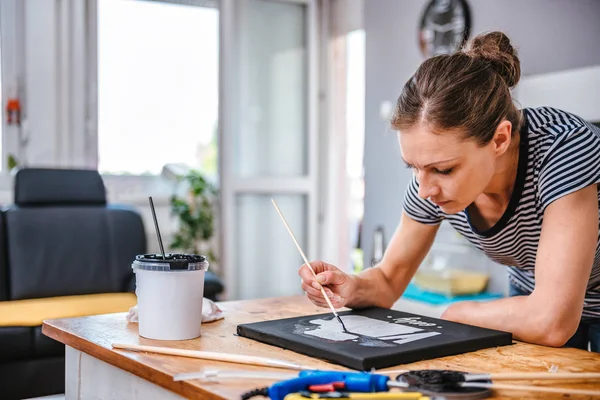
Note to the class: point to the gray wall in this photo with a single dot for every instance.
(550, 35)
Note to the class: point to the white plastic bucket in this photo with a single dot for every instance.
(169, 293)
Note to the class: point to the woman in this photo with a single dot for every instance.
(521, 185)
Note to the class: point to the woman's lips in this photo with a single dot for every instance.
(441, 203)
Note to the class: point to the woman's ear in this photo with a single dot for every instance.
(502, 137)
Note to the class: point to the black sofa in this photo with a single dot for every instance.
(61, 238)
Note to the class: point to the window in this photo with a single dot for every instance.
(157, 86)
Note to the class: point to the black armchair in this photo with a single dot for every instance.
(61, 241)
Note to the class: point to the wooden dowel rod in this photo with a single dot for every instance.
(209, 355)
(531, 388)
(544, 375)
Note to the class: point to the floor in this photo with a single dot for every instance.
(53, 397)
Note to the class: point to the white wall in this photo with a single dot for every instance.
(576, 90)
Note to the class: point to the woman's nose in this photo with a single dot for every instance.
(426, 187)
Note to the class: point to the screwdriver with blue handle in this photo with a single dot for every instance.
(314, 380)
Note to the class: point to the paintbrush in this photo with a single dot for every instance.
(309, 266)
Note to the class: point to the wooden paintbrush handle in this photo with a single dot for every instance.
(209, 355)
(303, 256)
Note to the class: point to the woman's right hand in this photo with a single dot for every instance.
(338, 285)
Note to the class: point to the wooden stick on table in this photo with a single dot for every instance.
(209, 355)
(531, 388)
(520, 376)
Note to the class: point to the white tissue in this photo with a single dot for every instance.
(210, 312)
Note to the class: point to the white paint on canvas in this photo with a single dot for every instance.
(357, 325)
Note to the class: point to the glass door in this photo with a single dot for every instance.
(268, 143)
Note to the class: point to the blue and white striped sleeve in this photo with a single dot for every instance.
(419, 209)
(571, 164)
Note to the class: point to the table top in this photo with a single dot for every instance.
(94, 335)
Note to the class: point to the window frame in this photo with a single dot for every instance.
(12, 21)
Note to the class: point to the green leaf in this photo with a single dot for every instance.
(12, 162)
(195, 214)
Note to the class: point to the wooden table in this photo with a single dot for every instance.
(95, 371)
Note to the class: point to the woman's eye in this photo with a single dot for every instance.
(444, 171)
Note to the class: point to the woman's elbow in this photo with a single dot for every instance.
(553, 339)
(550, 325)
(556, 332)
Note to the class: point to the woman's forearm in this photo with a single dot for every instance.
(519, 315)
(373, 288)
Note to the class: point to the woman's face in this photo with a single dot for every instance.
(451, 171)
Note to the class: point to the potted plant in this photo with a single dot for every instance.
(195, 211)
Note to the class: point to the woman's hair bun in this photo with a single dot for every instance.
(495, 48)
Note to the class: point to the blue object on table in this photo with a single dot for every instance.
(413, 292)
(353, 382)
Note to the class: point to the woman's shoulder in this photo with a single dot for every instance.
(564, 151)
(553, 121)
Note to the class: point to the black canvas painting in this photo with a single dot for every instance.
(375, 338)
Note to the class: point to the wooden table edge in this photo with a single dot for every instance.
(121, 361)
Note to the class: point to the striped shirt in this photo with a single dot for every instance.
(559, 154)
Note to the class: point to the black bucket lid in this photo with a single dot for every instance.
(171, 262)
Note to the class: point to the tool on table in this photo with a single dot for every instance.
(217, 356)
(308, 264)
(451, 384)
(365, 396)
(434, 383)
(328, 382)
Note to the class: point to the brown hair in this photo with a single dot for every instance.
(467, 91)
